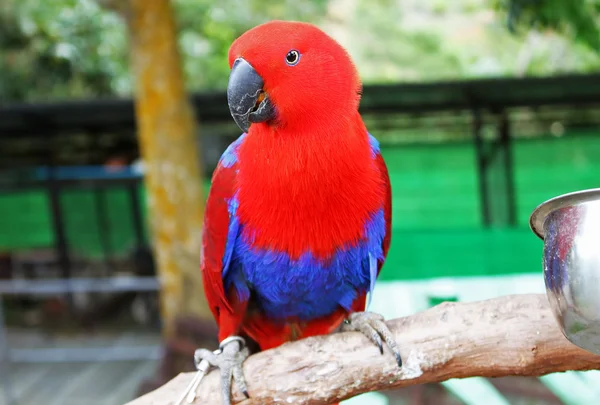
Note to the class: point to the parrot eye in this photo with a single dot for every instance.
(293, 57)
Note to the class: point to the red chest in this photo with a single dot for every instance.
(306, 192)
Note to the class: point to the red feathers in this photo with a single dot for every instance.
(318, 152)
(322, 87)
(321, 186)
(307, 182)
(214, 240)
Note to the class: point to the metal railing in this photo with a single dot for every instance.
(9, 355)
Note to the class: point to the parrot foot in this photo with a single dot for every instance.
(373, 326)
(229, 358)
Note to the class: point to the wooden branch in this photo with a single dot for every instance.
(512, 335)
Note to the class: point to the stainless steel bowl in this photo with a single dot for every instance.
(570, 227)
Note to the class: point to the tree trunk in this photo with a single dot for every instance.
(167, 138)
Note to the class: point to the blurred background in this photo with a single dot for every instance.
(113, 115)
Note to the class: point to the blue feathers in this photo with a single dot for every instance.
(306, 288)
(232, 233)
(374, 145)
(229, 157)
(373, 274)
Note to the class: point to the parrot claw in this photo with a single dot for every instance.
(373, 326)
(228, 358)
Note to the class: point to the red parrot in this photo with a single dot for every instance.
(297, 221)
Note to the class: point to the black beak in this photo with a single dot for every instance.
(247, 100)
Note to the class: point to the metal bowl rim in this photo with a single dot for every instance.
(537, 218)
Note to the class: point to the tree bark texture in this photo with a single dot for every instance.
(168, 142)
(506, 336)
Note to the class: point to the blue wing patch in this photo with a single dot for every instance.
(229, 157)
(374, 145)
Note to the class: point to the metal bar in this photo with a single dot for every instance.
(136, 213)
(60, 286)
(103, 226)
(60, 237)
(73, 116)
(509, 178)
(87, 354)
(481, 168)
(87, 183)
(4, 359)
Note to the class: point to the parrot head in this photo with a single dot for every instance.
(290, 74)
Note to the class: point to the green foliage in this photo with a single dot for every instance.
(576, 19)
(208, 27)
(60, 48)
(74, 48)
(388, 51)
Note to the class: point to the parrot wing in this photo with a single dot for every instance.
(219, 233)
(375, 265)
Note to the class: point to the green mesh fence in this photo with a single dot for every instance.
(545, 168)
(437, 218)
(26, 223)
